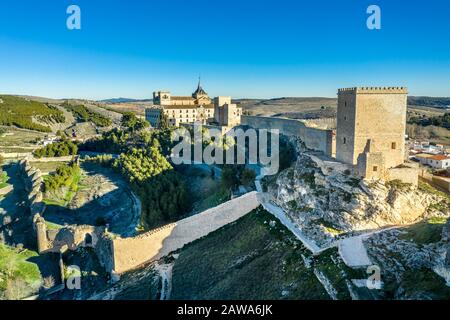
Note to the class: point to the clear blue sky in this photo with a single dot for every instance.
(242, 48)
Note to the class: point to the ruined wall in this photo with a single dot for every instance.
(442, 182)
(314, 138)
(405, 175)
(129, 253)
(32, 179)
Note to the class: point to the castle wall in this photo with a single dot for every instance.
(404, 174)
(322, 123)
(129, 253)
(316, 139)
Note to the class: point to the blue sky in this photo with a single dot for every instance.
(242, 48)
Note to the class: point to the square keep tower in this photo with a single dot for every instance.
(371, 120)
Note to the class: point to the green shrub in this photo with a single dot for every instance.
(64, 175)
(57, 149)
(247, 177)
(105, 160)
(132, 122)
(398, 184)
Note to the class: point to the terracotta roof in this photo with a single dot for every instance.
(181, 98)
(195, 106)
(439, 157)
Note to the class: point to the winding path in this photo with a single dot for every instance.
(351, 249)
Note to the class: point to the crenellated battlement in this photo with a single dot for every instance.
(375, 90)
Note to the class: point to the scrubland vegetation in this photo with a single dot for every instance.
(15, 111)
(83, 114)
(57, 149)
(237, 259)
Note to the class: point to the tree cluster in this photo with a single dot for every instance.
(57, 149)
(133, 123)
(63, 176)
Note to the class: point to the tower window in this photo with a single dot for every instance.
(345, 103)
(393, 146)
(375, 168)
(345, 117)
(344, 141)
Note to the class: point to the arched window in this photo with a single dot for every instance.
(88, 239)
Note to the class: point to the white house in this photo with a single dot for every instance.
(438, 161)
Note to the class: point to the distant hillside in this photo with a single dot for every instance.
(28, 114)
(436, 102)
(291, 107)
(316, 107)
(124, 100)
(51, 115)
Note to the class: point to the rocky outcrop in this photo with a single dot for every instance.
(325, 200)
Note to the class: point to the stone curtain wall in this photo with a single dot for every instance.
(32, 179)
(129, 253)
(314, 138)
(322, 123)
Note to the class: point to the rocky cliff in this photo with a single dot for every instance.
(326, 201)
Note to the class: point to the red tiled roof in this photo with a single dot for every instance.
(439, 157)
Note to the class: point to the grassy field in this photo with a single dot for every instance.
(15, 137)
(290, 107)
(249, 259)
(3, 179)
(18, 277)
(46, 167)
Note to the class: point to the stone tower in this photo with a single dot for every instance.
(41, 232)
(161, 98)
(225, 112)
(371, 125)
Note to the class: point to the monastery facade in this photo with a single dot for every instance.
(197, 108)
